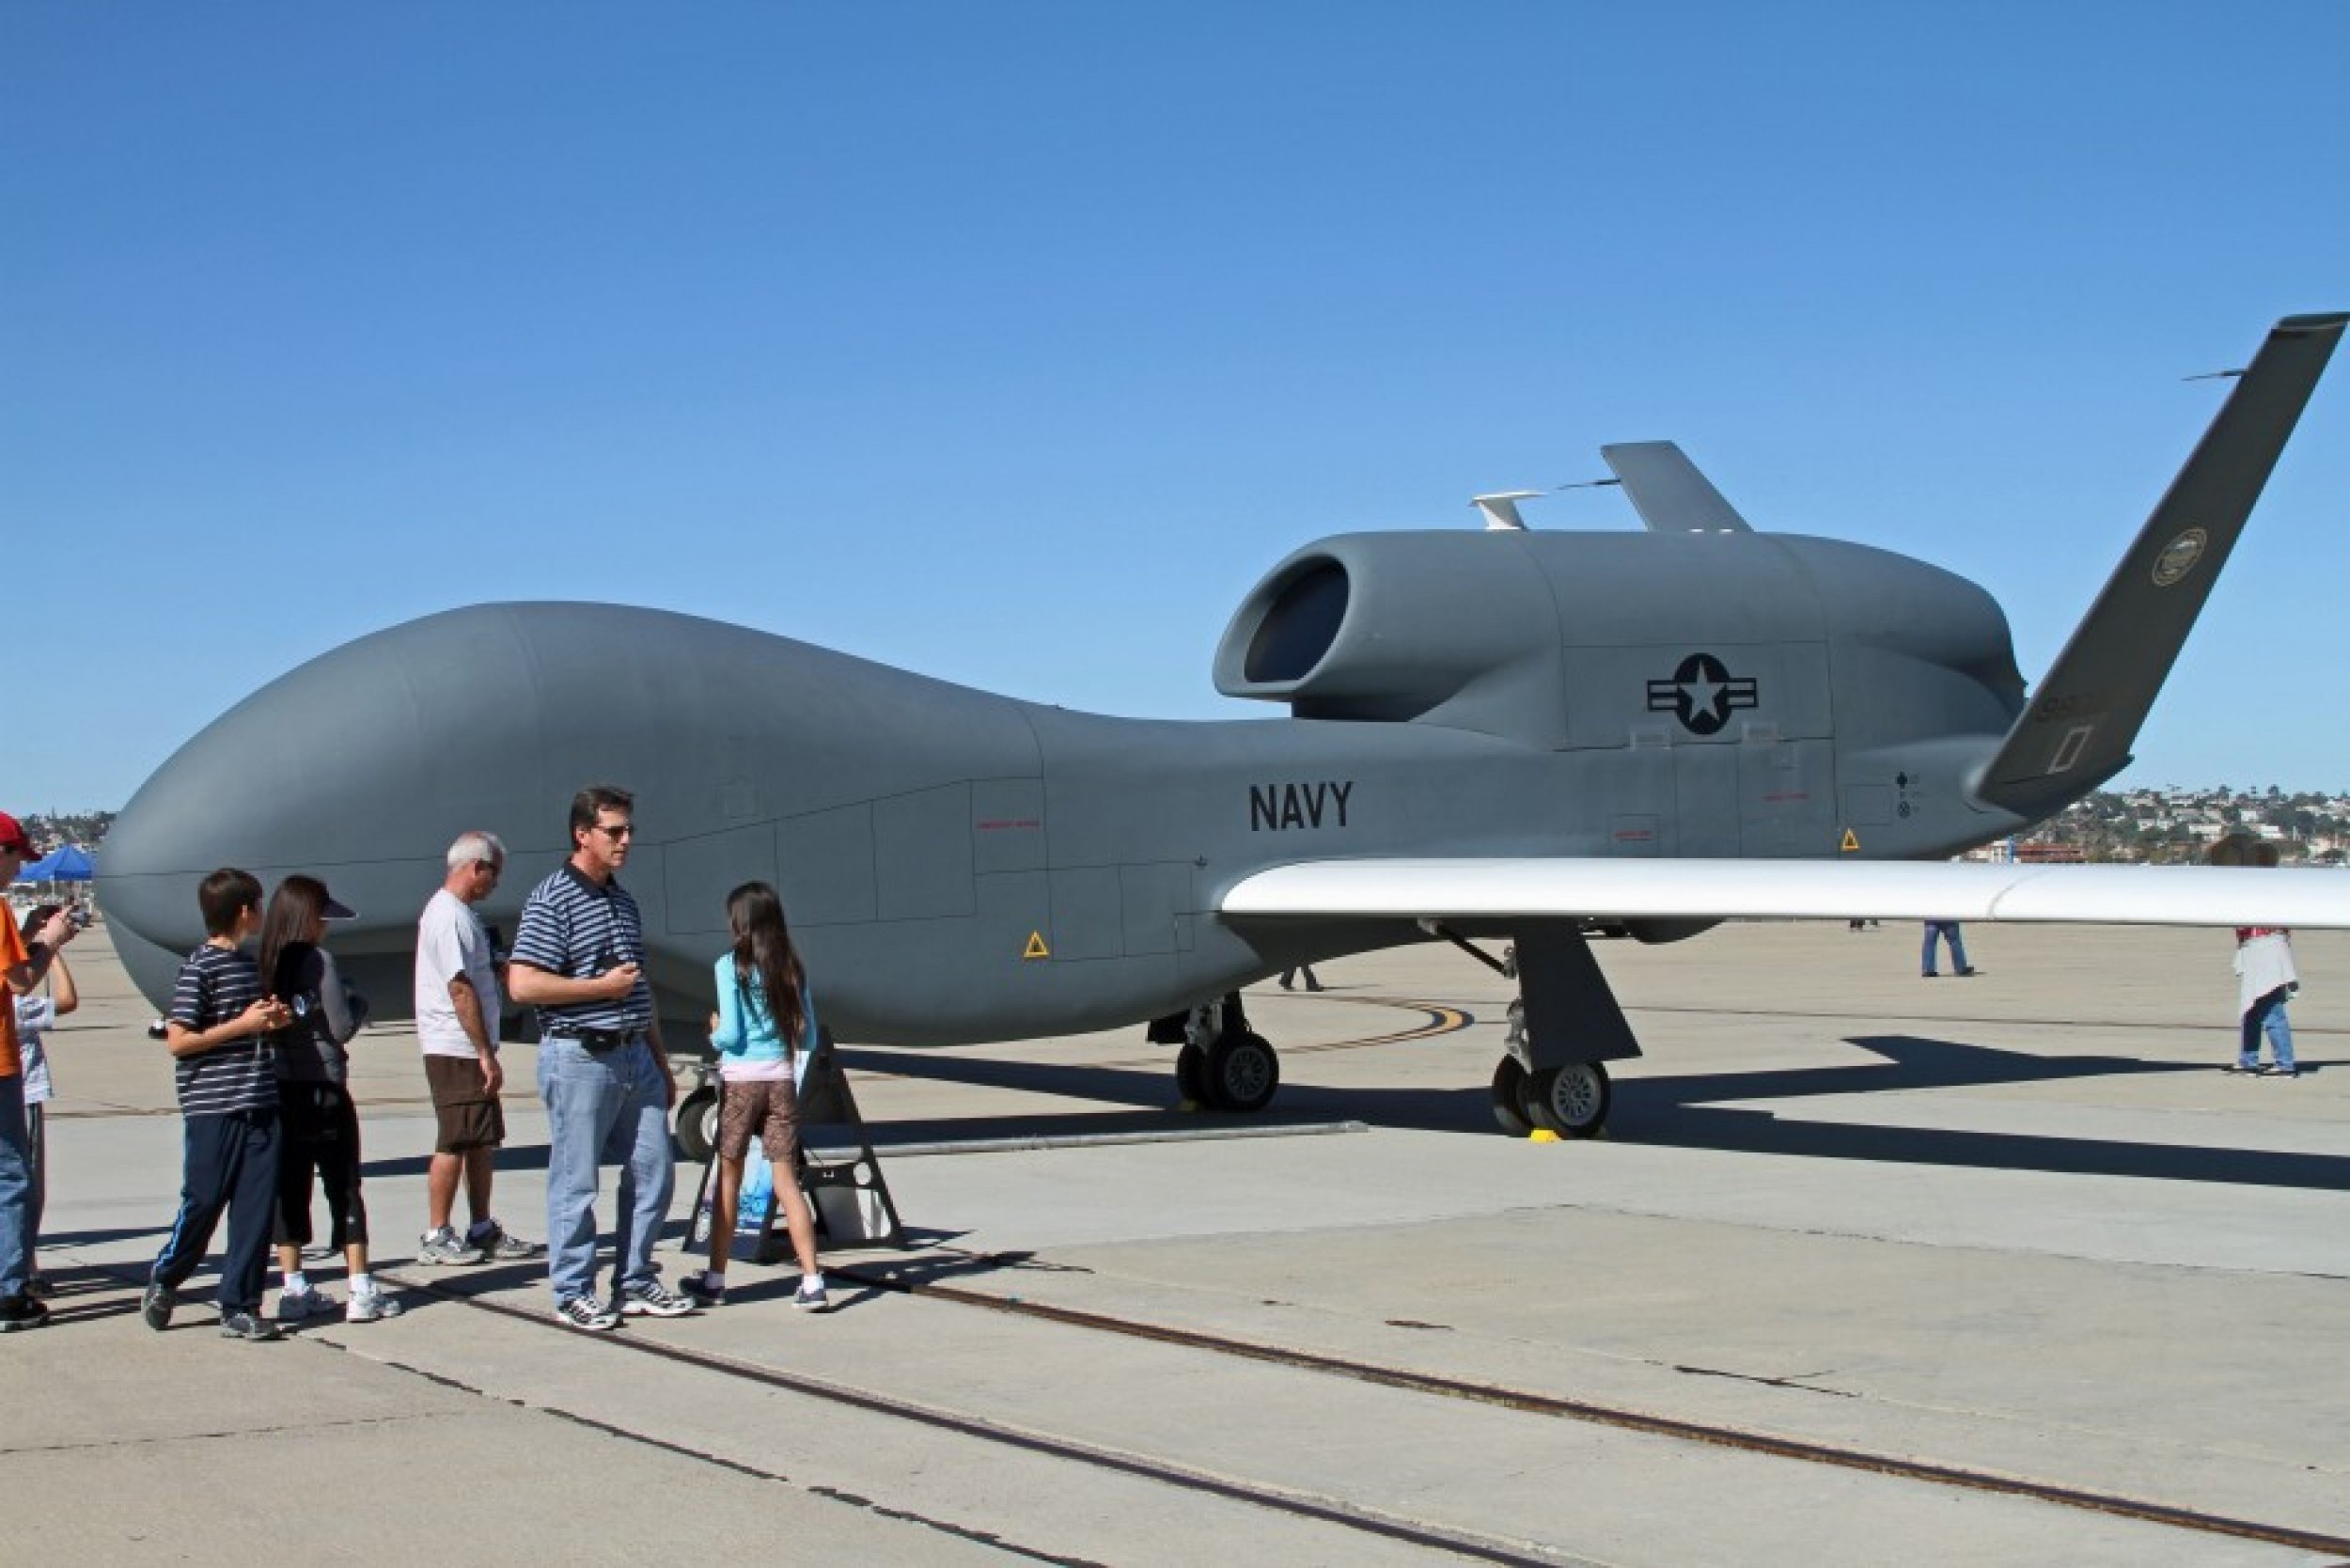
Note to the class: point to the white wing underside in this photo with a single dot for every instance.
(1797, 889)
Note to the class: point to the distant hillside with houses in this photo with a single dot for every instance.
(2177, 824)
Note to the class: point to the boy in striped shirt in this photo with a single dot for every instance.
(218, 1037)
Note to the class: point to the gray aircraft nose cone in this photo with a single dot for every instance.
(142, 885)
(353, 767)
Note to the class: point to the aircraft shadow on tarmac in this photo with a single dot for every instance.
(1678, 1112)
(1656, 1109)
(1659, 1110)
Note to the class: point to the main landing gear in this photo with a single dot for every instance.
(1565, 1027)
(1571, 1100)
(1223, 1065)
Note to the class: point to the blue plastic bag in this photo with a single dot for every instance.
(759, 1190)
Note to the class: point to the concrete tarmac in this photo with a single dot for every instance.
(1866, 1269)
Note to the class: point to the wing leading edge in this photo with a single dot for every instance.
(1795, 889)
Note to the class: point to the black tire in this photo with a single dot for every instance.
(1243, 1073)
(697, 1124)
(1191, 1075)
(1510, 1097)
(1571, 1100)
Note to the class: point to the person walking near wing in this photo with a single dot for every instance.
(2266, 978)
(1948, 931)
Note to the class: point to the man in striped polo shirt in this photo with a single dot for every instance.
(579, 955)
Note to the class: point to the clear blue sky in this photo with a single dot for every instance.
(1012, 342)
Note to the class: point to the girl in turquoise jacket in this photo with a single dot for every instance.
(763, 1028)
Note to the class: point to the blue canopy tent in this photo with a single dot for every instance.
(43, 880)
(67, 863)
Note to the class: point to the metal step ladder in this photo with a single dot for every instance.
(838, 1170)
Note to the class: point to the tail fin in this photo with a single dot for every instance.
(2081, 724)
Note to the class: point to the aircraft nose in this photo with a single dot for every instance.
(145, 886)
(357, 767)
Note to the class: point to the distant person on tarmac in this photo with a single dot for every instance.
(763, 1028)
(2266, 978)
(22, 965)
(1948, 931)
(1305, 969)
(579, 958)
(457, 1028)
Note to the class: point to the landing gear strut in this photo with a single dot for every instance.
(1564, 1027)
(1223, 1065)
(1569, 1100)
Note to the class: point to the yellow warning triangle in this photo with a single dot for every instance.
(1851, 841)
(1036, 946)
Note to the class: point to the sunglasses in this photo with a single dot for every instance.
(626, 830)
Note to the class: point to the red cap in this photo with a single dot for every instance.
(13, 837)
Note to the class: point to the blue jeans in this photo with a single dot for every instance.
(1949, 930)
(2267, 1013)
(603, 1106)
(16, 1184)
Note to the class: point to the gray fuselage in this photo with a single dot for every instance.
(965, 867)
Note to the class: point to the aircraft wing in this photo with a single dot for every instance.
(1627, 889)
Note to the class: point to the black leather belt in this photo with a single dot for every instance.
(600, 1041)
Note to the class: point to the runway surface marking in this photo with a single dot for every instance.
(1323, 1509)
(1615, 1416)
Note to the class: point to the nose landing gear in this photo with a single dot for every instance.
(1223, 1065)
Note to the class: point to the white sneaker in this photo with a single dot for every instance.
(372, 1308)
(444, 1246)
(652, 1299)
(586, 1311)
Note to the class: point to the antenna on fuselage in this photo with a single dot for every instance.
(1501, 509)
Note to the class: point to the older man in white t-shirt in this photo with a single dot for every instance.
(456, 1026)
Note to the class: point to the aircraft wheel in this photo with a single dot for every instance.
(1571, 1100)
(1191, 1075)
(697, 1124)
(1242, 1071)
(1510, 1097)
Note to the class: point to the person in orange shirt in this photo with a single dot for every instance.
(22, 965)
